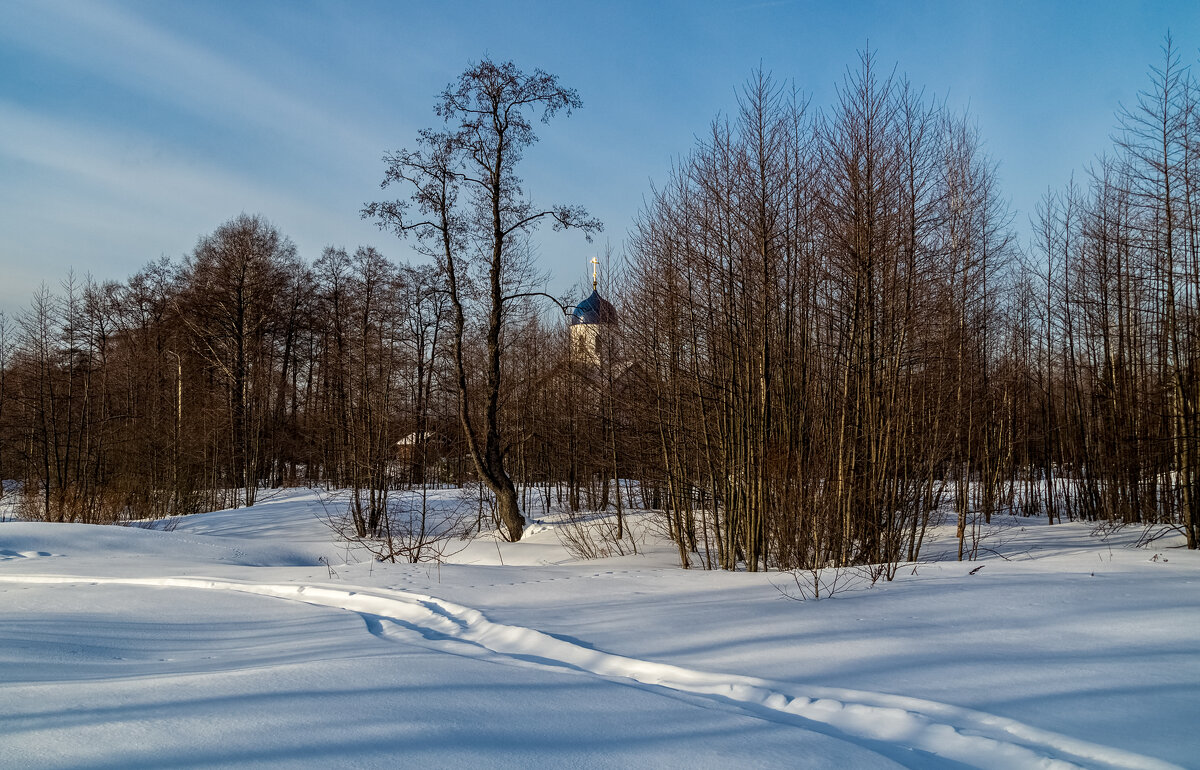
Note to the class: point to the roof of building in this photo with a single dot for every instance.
(416, 436)
(594, 310)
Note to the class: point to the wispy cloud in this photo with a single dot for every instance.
(112, 44)
(128, 199)
(125, 165)
(92, 188)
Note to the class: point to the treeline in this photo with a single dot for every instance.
(195, 383)
(841, 334)
(1106, 317)
(819, 301)
(826, 334)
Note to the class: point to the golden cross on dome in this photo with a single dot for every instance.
(595, 265)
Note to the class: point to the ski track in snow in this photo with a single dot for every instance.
(974, 738)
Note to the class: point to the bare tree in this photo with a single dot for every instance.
(468, 209)
(234, 281)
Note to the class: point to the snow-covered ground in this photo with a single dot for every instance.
(254, 638)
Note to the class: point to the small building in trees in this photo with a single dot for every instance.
(419, 451)
(589, 321)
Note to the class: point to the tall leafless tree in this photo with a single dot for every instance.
(469, 210)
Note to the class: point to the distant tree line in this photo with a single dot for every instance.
(827, 334)
(195, 383)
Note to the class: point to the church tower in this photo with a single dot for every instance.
(588, 322)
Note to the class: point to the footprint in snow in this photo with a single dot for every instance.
(7, 555)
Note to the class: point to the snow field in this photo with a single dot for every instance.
(790, 691)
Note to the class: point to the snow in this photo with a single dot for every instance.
(253, 638)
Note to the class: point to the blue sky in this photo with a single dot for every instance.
(130, 129)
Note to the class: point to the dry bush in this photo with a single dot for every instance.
(412, 529)
(593, 536)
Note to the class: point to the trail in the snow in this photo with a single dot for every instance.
(974, 738)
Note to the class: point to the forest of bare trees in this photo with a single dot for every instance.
(828, 335)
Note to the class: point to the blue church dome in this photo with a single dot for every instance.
(594, 310)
